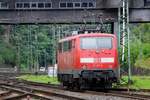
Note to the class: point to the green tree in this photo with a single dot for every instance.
(140, 45)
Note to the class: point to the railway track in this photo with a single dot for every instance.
(24, 89)
(22, 92)
(124, 94)
(12, 89)
(143, 94)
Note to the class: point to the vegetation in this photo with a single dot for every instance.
(138, 82)
(30, 46)
(7, 53)
(140, 46)
(40, 79)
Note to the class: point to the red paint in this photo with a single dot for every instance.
(70, 60)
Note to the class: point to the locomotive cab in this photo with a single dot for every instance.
(98, 58)
(87, 60)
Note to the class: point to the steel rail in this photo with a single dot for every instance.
(118, 92)
(30, 91)
(124, 94)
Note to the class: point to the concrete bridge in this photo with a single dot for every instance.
(69, 11)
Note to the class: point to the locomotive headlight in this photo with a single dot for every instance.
(107, 60)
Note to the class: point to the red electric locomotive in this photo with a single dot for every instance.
(88, 60)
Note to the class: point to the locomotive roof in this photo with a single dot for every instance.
(85, 35)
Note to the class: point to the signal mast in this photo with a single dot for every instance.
(124, 34)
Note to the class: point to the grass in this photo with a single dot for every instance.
(40, 79)
(138, 82)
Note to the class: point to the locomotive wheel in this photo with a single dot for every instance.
(83, 84)
(70, 86)
(76, 85)
(108, 85)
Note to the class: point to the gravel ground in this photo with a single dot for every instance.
(83, 95)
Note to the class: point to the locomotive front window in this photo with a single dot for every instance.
(96, 43)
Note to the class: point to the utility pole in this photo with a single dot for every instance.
(123, 15)
(37, 57)
(31, 54)
(54, 47)
(36, 50)
(118, 36)
(45, 58)
(28, 45)
(18, 50)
